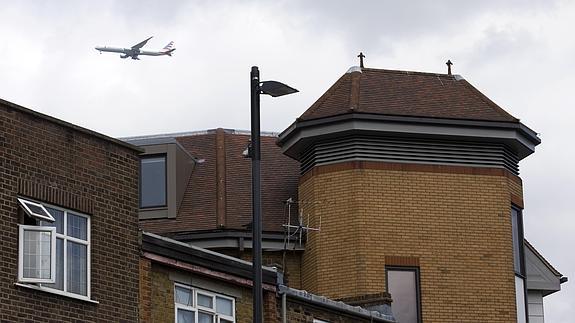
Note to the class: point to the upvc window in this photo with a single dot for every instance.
(36, 254)
(193, 305)
(69, 252)
(519, 264)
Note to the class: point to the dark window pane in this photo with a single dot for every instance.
(59, 284)
(36, 209)
(77, 268)
(153, 181)
(77, 226)
(205, 300)
(402, 286)
(205, 318)
(224, 306)
(58, 216)
(185, 316)
(516, 240)
(184, 296)
(59, 264)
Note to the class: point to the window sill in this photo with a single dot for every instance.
(57, 292)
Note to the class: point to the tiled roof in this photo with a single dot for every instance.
(403, 93)
(198, 210)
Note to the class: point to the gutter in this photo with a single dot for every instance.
(324, 302)
(299, 124)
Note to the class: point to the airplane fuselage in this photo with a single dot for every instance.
(129, 51)
(136, 51)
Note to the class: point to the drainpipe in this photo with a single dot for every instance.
(284, 308)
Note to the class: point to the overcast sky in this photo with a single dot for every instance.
(519, 53)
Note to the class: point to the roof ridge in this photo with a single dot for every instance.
(326, 95)
(452, 76)
(355, 91)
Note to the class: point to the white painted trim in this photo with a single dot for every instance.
(197, 308)
(21, 229)
(24, 203)
(57, 292)
(64, 236)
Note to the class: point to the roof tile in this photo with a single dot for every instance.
(403, 93)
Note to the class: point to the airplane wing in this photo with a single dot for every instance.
(140, 45)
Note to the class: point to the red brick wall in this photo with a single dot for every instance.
(73, 169)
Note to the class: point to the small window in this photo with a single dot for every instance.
(37, 254)
(55, 253)
(196, 305)
(153, 181)
(517, 231)
(518, 263)
(35, 210)
(403, 285)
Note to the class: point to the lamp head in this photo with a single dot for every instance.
(275, 88)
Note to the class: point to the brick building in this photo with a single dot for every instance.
(69, 222)
(412, 177)
(415, 178)
(184, 283)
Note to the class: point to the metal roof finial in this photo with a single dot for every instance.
(449, 63)
(361, 57)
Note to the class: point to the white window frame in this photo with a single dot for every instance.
(21, 229)
(38, 285)
(45, 217)
(198, 308)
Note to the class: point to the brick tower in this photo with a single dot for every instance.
(415, 179)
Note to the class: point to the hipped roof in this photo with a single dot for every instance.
(404, 93)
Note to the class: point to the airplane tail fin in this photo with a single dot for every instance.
(167, 50)
(168, 46)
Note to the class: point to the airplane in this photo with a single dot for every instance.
(135, 50)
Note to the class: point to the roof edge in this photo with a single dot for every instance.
(69, 125)
(545, 262)
(298, 124)
(159, 244)
(197, 133)
(335, 305)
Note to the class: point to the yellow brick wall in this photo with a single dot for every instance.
(292, 270)
(457, 224)
(162, 297)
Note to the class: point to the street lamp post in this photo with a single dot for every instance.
(274, 89)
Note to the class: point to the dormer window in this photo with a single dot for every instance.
(153, 181)
(165, 169)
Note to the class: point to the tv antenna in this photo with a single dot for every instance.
(293, 230)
